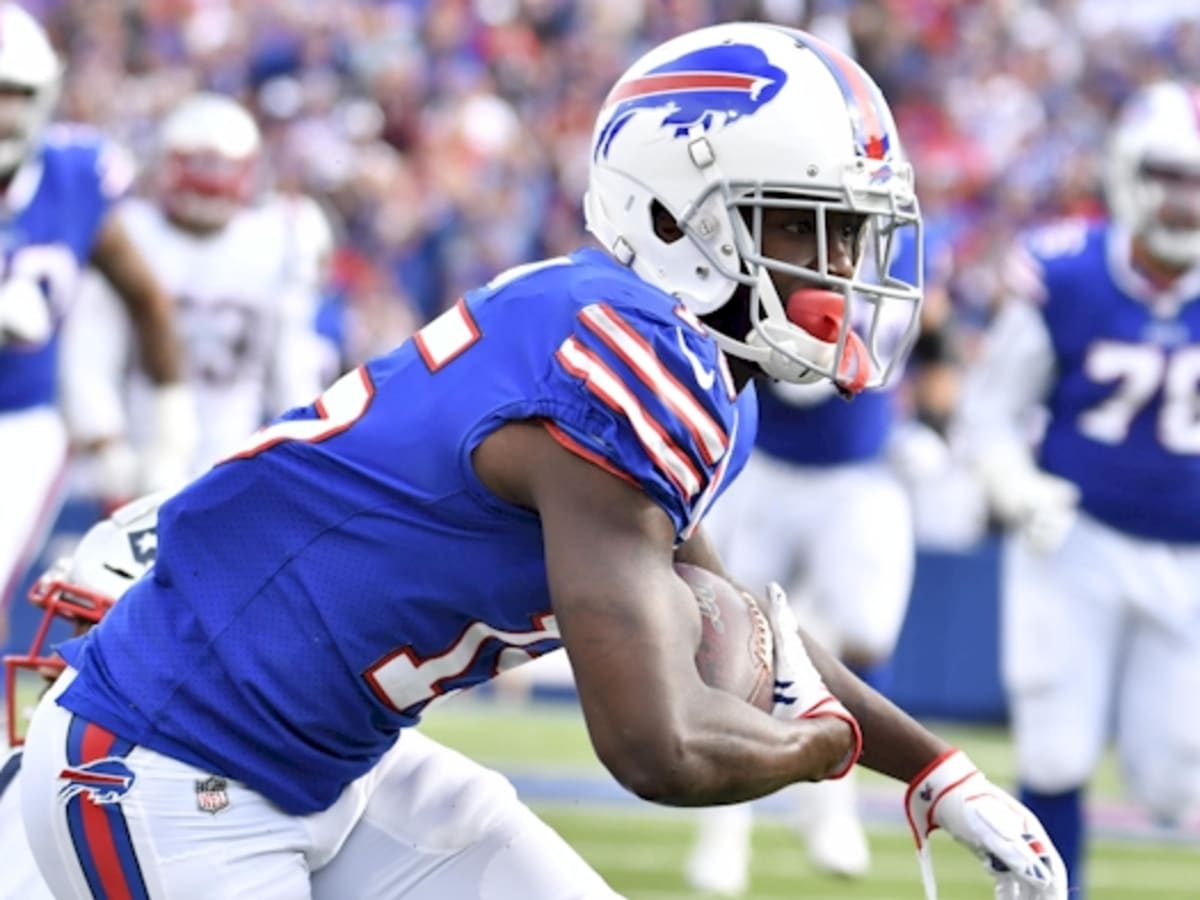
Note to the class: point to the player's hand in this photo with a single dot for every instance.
(115, 471)
(1042, 507)
(24, 314)
(952, 794)
(167, 461)
(800, 692)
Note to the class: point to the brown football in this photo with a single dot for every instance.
(735, 638)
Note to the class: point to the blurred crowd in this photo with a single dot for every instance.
(447, 139)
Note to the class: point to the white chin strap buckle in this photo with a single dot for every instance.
(805, 353)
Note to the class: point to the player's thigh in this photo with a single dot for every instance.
(440, 825)
(1158, 740)
(1062, 620)
(35, 456)
(19, 875)
(108, 818)
(860, 560)
(753, 524)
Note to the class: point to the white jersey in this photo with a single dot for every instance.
(246, 305)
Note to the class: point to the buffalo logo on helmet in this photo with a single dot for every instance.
(705, 89)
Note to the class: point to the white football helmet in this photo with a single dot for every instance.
(1152, 175)
(110, 557)
(208, 166)
(717, 125)
(30, 74)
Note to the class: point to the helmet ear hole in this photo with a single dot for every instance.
(666, 226)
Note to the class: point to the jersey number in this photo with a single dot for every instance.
(50, 266)
(401, 680)
(1140, 371)
(341, 405)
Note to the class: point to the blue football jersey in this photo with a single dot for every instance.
(830, 432)
(1123, 421)
(811, 425)
(314, 592)
(48, 237)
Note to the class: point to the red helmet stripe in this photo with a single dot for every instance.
(673, 82)
(862, 98)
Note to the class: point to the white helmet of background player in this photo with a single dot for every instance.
(110, 557)
(1152, 178)
(208, 166)
(30, 73)
(717, 125)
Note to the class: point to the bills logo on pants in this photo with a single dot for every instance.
(93, 784)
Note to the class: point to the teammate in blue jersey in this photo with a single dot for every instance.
(519, 476)
(57, 186)
(1101, 589)
(820, 508)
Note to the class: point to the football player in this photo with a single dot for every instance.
(1101, 577)
(521, 475)
(78, 591)
(435, 824)
(59, 184)
(244, 271)
(819, 507)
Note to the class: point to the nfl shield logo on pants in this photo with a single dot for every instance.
(212, 794)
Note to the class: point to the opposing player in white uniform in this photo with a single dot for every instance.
(245, 275)
(1101, 577)
(434, 825)
(57, 186)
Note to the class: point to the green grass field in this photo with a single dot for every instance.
(640, 848)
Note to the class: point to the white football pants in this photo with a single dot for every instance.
(839, 539)
(426, 822)
(33, 460)
(19, 876)
(1101, 639)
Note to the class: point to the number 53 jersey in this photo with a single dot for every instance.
(314, 591)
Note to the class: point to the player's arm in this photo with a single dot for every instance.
(92, 383)
(150, 309)
(631, 627)
(168, 458)
(303, 362)
(893, 742)
(1002, 392)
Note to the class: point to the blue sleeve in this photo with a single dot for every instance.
(660, 403)
(99, 173)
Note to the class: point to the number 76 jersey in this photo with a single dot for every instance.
(1124, 397)
(313, 592)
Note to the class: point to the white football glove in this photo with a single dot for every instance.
(1042, 507)
(800, 692)
(167, 460)
(24, 313)
(115, 471)
(952, 794)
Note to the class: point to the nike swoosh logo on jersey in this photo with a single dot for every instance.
(704, 377)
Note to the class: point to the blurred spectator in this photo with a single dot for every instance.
(446, 135)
